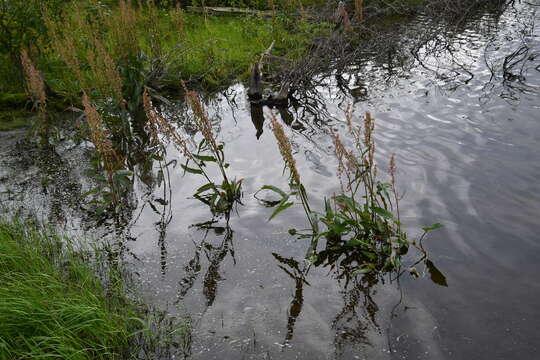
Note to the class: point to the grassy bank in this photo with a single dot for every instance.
(153, 45)
(51, 303)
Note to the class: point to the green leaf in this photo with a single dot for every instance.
(205, 158)
(362, 270)
(276, 190)
(353, 242)
(191, 170)
(90, 192)
(433, 227)
(328, 209)
(383, 212)
(123, 172)
(205, 188)
(282, 206)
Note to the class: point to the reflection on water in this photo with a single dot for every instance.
(459, 106)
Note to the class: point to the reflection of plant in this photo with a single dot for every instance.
(360, 228)
(219, 197)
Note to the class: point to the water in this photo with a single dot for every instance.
(463, 119)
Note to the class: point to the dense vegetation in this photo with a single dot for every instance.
(52, 305)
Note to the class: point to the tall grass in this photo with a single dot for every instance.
(51, 303)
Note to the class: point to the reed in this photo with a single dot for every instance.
(122, 25)
(201, 118)
(285, 150)
(35, 86)
(64, 46)
(297, 188)
(105, 75)
(179, 20)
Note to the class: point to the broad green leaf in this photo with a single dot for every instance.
(433, 227)
(275, 189)
(347, 201)
(123, 172)
(282, 206)
(90, 192)
(383, 212)
(191, 170)
(353, 242)
(205, 188)
(205, 158)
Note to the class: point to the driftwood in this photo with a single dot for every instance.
(280, 98)
(255, 91)
(229, 11)
(341, 17)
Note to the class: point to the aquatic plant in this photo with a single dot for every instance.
(220, 197)
(358, 224)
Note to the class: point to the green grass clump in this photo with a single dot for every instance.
(220, 49)
(51, 303)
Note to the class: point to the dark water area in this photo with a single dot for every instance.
(461, 113)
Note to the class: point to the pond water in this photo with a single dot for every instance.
(462, 115)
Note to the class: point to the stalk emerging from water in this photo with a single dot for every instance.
(360, 227)
(35, 87)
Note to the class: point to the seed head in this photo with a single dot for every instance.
(35, 85)
(100, 136)
(157, 124)
(201, 118)
(285, 149)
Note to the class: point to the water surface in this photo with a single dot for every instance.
(461, 113)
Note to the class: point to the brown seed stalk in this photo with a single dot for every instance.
(285, 149)
(158, 125)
